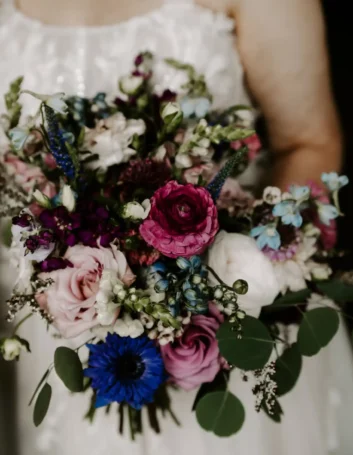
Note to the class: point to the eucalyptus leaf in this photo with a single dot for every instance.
(276, 412)
(219, 383)
(292, 298)
(337, 290)
(316, 330)
(69, 368)
(42, 405)
(221, 413)
(250, 352)
(288, 367)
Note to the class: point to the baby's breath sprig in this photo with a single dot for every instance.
(265, 388)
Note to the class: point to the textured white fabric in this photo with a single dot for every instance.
(86, 60)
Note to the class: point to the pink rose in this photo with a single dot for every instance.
(28, 177)
(71, 299)
(182, 222)
(194, 358)
(328, 233)
(253, 143)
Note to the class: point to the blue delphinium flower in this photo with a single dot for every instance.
(198, 107)
(327, 212)
(333, 181)
(266, 236)
(125, 370)
(289, 210)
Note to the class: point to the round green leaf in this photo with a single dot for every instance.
(69, 368)
(42, 405)
(288, 368)
(316, 330)
(337, 290)
(252, 350)
(221, 413)
(292, 298)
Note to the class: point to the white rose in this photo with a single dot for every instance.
(11, 348)
(236, 256)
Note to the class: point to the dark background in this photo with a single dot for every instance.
(340, 40)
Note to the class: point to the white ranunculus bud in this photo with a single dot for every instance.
(321, 272)
(11, 348)
(236, 256)
(68, 198)
(172, 115)
(183, 161)
(42, 199)
(135, 211)
(130, 85)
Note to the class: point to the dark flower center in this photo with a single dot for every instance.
(130, 366)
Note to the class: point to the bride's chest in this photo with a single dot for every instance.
(87, 60)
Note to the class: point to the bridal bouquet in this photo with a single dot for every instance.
(130, 229)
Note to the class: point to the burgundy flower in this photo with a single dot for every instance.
(23, 220)
(183, 220)
(143, 178)
(51, 264)
(89, 224)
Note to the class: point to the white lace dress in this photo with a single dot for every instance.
(83, 61)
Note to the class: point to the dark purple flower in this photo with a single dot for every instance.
(51, 264)
(23, 220)
(42, 240)
(89, 224)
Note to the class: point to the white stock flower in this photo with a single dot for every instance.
(236, 256)
(319, 272)
(183, 161)
(111, 140)
(105, 306)
(293, 273)
(135, 211)
(68, 198)
(128, 327)
(11, 348)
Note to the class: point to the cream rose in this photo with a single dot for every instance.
(236, 256)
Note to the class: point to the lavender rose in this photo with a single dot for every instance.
(194, 358)
(71, 299)
(182, 222)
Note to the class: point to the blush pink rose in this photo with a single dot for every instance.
(253, 143)
(328, 233)
(183, 220)
(29, 177)
(194, 358)
(71, 299)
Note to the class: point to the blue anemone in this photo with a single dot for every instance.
(125, 370)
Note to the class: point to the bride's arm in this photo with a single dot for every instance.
(283, 49)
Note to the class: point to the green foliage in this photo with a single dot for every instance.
(69, 368)
(288, 367)
(42, 404)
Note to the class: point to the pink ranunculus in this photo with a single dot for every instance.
(183, 220)
(253, 143)
(328, 233)
(71, 299)
(194, 358)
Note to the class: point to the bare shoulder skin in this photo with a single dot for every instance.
(283, 49)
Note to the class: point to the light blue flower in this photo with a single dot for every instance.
(299, 193)
(19, 136)
(289, 213)
(327, 212)
(198, 107)
(266, 236)
(333, 181)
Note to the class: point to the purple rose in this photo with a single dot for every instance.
(194, 358)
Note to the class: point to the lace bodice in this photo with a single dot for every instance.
(85, 60)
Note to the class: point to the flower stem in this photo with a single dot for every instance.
(18, 325)
(210, 269)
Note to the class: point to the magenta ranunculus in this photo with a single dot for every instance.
(183, 220)
(194, 358)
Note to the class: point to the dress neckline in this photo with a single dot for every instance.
(168, 6)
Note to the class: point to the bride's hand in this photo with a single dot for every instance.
(283, 49)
